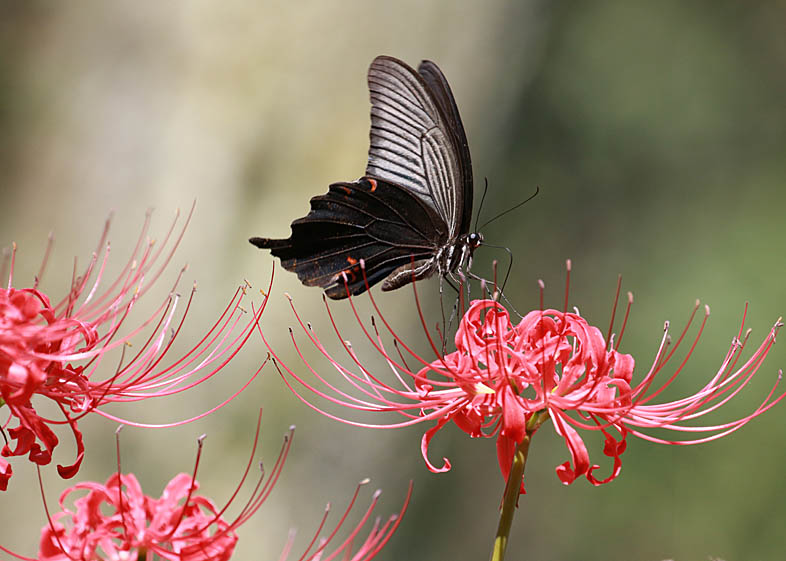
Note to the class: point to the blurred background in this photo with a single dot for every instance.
(656, 132)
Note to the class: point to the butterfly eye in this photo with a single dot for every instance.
(474, 240)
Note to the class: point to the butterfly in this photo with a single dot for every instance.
(409, 216)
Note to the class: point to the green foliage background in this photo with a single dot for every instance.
(655, 130)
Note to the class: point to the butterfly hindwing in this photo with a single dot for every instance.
(413, 141)
(443, 97)
(382, 224)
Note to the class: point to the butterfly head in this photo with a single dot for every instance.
(474, 240)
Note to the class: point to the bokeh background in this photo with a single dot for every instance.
(656, 132)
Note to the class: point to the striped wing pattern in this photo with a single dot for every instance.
(412, 144)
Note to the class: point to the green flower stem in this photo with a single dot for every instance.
(510, 500)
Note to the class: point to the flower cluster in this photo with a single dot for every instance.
(117, 520)
(56, 351)
(505, 380)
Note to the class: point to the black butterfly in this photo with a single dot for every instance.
(409, 216)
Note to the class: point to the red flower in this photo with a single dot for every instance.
(505, 380)
(55, 351)
(118, 521)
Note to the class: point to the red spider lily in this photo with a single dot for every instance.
(379, 534)
(55, 351)
(118, 521)
(507, 379)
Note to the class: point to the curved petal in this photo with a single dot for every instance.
(613, 448)
(578, 451)
(429, 434)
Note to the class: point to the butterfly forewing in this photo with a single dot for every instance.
(413, 142)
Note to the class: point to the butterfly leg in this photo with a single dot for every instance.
(442, 309)
(449, 278)
(461, 281)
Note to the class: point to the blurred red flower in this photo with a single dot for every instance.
(118, 521)
(55, 351)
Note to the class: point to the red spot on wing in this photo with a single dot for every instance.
(352, 272)
(373, 183)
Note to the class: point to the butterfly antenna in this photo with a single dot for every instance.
(482, 198)
(503, 213)
(511, 306)
(507, 273)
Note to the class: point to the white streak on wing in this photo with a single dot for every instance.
(439, 172)
(410, 143)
